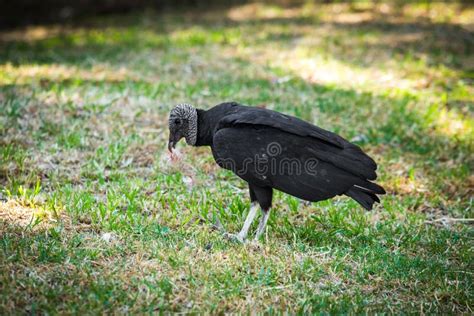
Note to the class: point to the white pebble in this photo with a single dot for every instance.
(108, 237)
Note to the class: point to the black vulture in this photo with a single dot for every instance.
(270, 150)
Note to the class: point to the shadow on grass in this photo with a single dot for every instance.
(104, 39)
(442, 43)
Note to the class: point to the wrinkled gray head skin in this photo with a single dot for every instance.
(182, 123)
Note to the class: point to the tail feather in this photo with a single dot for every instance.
(364, 196)
(370, 187)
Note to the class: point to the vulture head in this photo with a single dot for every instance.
(182, 123)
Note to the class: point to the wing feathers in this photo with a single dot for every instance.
(293, 125)
(356, 163)
(324, 145)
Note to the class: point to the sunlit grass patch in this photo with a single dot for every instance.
(16, 214)
(27, 211)
(48, 74)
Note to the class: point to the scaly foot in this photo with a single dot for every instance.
(234, 237)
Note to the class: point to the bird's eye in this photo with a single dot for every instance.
(177, 121)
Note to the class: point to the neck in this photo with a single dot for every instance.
(208, 120)
(205, 128)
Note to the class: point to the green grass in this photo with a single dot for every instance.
(95, 219)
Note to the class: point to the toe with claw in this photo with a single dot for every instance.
(234, 237)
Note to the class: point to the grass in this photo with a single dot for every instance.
(94, 218)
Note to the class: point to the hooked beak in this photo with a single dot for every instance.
(172, 143)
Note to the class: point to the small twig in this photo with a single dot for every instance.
(281, 287)
(467, 272)
(450, 219)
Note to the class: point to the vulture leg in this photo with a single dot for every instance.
(248, 221)
(250, 217)
(264, 197)
(263, 223)
(242, 235)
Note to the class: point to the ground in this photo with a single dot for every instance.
(94, 218)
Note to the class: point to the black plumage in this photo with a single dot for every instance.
(271, 150)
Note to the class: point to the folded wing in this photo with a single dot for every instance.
(323, 144)
(298, 165)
